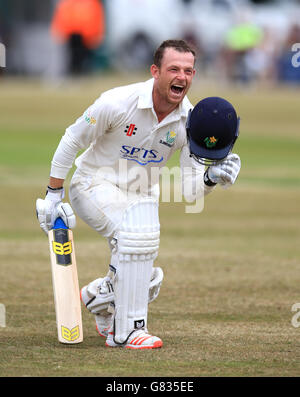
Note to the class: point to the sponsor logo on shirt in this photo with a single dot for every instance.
(130, 129)
(169, 139)
(140, 155)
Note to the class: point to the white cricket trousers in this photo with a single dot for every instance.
(99, 203)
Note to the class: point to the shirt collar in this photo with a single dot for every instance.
(145, 101)
(145, 97)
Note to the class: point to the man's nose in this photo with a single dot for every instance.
(181, 75)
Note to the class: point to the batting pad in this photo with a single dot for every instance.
(137, 248)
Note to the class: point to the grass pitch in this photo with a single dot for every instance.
(231, 272)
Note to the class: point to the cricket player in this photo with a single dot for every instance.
(128, 133)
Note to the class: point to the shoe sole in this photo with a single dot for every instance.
(157, 345)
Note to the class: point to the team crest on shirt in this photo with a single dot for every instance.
(130, 129)
(169, 139)
(88, 118)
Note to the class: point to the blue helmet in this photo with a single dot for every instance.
(212, 129)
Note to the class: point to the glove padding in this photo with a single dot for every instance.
(226, 172)
(51, 208)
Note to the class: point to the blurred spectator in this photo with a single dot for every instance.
(239, 42)
(136, 51)
(260, 61)
(286, 71)
(80, 23)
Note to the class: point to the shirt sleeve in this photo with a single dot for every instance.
(193, 186)
(95, 122)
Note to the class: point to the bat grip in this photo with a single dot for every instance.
(59, 224)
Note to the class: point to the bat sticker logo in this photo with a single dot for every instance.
(62, 249)
(70, 334)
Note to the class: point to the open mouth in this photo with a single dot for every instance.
(177, 89)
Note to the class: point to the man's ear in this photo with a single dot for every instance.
(154, 71)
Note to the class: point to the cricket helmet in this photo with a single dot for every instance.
(212, 129)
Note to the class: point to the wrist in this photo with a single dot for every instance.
(207, 180)
(55, 194)
(54, 189)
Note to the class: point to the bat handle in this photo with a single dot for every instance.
(59, 224)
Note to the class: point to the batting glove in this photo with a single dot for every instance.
(226, 172)
(51, 208)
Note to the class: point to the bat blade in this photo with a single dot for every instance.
(65, 284)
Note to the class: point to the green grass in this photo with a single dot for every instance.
(231, 272)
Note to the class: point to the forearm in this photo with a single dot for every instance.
(56, 183)
(63, 159)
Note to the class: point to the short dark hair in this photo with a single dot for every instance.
(178, 45)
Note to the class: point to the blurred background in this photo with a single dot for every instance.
(243, 41)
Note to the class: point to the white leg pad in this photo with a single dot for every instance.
(137, 248)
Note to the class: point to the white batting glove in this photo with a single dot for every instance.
(51, 208)
(226, 172)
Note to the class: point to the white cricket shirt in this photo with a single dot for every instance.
(121, 134)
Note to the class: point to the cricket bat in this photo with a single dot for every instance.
(65, 284)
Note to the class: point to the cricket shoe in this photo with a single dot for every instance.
(139, 339)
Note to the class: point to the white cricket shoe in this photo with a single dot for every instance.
(139, 339)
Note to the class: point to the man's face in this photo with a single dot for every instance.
(174, 77)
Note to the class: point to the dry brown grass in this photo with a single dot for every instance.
(224, 307)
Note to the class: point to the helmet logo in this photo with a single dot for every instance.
(210, 141)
